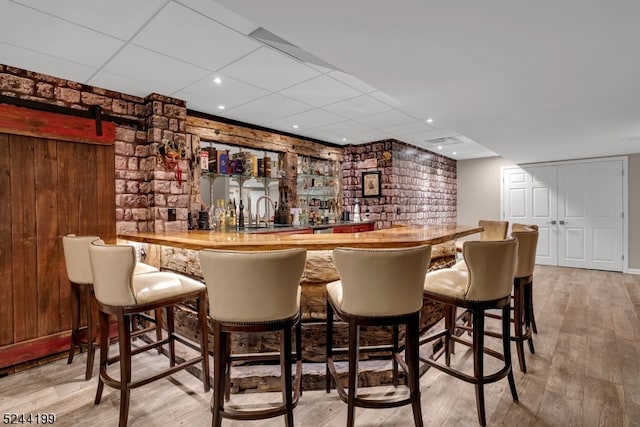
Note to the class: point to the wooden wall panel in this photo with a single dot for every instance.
(23, 232)
(6, 252)
(47, 242)
(105, 190)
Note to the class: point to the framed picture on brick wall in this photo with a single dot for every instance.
(371, 184)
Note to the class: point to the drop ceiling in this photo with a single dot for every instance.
(531, 82)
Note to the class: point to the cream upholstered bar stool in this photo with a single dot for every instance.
(254, 292)
(492, 230)
(122, 294)
(76, 257)
(378, 287)
(522, 331)
(485, 285)
(528, 288)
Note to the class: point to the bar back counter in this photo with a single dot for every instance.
(177, 251)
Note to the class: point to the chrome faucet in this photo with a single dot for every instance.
(267, 200)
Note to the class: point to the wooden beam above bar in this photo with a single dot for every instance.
(225, 133)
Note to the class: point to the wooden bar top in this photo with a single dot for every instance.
(411, 235)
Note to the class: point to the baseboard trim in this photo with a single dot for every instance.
(633, 271)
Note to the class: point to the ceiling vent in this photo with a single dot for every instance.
(269, 39)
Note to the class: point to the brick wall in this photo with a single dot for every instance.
(417, 186)
(144, 189)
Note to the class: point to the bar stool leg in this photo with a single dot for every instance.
(354, 344)
(518, 319)
(329, 346)
(506, 347)
(104, 353)
(171, 334)
(530, 319)
(285, 374)
(395, 346)
(478, 362)
(124, 339)
(75, 321)
(91, 349)
(412, 349)
(219, 363)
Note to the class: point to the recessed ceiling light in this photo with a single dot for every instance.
(454, 153)
(429, 120)
(295, 126)
(439, 147)
(217, 80)
(344, 139)
(221, 107)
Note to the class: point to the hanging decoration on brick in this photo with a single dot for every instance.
(170, 153)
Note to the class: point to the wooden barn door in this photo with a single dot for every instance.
(48, 188)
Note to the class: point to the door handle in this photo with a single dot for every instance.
(552, 222)
(563, 222)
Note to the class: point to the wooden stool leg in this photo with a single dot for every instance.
(395, 346)
(104, 353)
(171, 334)
(75, 320)
(158, 318)
(478, 362)
(219, 363)
(530, 320)
(329, 345)
(518, 319)
(298, 389)
(204, 340)
(354, 344)
(506, 347)
(91, 349)
(124, 338)
(286, 377)
(227, 375)
(412, 346)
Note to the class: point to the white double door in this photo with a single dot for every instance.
(579, 207)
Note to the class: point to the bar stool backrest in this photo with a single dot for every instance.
(523, 227)
(112, 267)
(527, 246)
(253, 287)
(493, 230)
(76, 258)
(382, 282)
(491, 266)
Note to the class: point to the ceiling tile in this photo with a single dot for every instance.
(386, 118)
(221, 14)
(210, 44)
(103, 16)
(408, 128)
(271, 108)
(229, 92)
(306, 120)
(45, 64)
(355, 132)
(167, 74)
(54, 37)
(357, 107)
(320, 91)
(381, 96)
(269, 70)
(130, 85)
(352, 81)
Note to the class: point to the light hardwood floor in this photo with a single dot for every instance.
(586, 372)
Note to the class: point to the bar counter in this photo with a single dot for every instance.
(406, 236)
(177, 251)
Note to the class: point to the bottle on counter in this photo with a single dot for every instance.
(230, 217)
(241, 216)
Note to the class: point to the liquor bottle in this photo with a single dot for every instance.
(220, 215)
(231, 216)
(241, 216)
